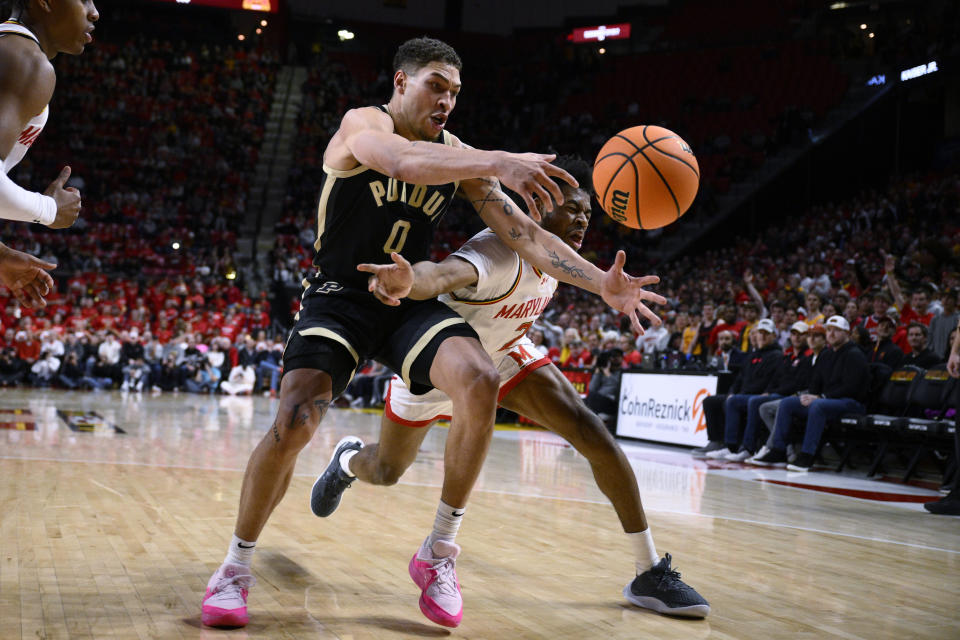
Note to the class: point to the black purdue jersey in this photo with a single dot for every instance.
(364, 215)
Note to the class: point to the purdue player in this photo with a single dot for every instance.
(36, 31)
(501, 295)
(390, 173)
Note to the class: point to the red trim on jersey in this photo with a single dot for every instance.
(523, 373)
(407, 423)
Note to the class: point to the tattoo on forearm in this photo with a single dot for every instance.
(276, 433)
(560, 263)
(514, 234)
(507, 208)
(493, 195)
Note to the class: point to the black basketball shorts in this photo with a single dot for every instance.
(336, 332)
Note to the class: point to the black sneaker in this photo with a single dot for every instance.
(801, 463)
(947, 506)
(662, 590)
(770, 458)
(329, 487)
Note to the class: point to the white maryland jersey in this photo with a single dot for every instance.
(508, 297)
(30, 133)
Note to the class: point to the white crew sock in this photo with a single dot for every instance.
(345, 461)
(446, 524)
(644, 550)
(240, 552)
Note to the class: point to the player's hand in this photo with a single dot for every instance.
(626, 293)
(530, 174)
(953, 364)
(68, 201)
(25, 276)
(389, 282)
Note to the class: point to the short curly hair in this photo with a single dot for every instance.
(578, 168)
(417, 53)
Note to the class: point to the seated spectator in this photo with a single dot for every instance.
(73, 375)
(817, 341)
(240, 382)
(791, 376)
(727, 357)
(13, 369)
(605, 386)
(755, 379)
(920, 355)
(44, 370)
(169, 377)
(840, 385)
(813, 316)
(884, 350)
(881, 302)
(632, 358)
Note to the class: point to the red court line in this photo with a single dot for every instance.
(879, 496)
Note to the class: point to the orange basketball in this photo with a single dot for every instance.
(646, 177)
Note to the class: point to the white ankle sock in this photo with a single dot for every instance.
(446, 524)
(645, 552)
(345, 461)
(240, 552)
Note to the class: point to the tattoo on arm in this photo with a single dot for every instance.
(514, 234)
(276, 433)
(560, 263)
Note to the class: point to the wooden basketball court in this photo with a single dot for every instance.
(113, 535)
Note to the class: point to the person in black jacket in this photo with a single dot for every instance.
(884, 350)
(791, 376)
(763, 363)
(920, 355)
(839, 385)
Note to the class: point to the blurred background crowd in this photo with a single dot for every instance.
(163, 122)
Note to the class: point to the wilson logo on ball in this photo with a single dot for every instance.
(619, 204)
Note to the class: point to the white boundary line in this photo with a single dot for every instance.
(531, 495)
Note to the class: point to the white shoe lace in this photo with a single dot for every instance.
(232, 586)
(446, 582)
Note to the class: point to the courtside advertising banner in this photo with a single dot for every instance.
(664, 408)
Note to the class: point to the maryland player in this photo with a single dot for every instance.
(36, 31)
(390, 173)
(501, 295)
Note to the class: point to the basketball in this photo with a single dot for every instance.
(646, 177)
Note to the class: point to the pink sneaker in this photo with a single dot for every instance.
(225, 602)
(434, 571)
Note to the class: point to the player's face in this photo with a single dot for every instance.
(429, 95)
(569, 221)
(71, 24)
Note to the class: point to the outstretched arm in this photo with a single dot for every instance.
(550, 254)
(366, 138)
(890, 265)
(754, 294)
(422, 281)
